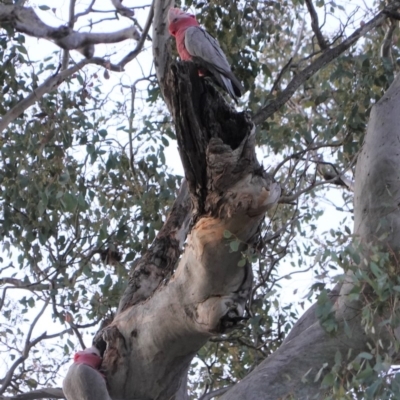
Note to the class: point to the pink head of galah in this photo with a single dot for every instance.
(179, 19)
(89, 356)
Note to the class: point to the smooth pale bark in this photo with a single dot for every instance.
(377, 221)
(161, 39)
(377, 195)
(25, 20)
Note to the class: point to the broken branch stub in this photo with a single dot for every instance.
(216, 144)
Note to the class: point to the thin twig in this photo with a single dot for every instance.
(133, 54)
(130, 128)
(327, 56)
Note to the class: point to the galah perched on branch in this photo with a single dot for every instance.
(195, 44)
(83, 380)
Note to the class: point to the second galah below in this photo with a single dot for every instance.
(195, 44)
(83, 380)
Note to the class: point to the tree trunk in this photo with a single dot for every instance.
(151, 343)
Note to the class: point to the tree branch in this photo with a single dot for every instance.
(161, 38)
(47, 86)
(46, 393)
(159, 261)
(25, 20)
(133, 54)
(125, 11)
(17, 283)
(327, 56)
(315, 25)
(215, 393)
(28, 345)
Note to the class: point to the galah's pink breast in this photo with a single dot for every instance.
(180, 44)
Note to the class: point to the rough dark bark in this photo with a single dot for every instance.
(160, 260)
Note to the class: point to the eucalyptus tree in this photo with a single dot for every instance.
(176, 280)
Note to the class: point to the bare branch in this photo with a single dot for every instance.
(17, 283)
(86, 12)
(292, 198)
(315, 25)
(215, 393)
(386, 48)
(298, 40)
(125, 11)
(133, 54)
(25, 20)
(25, 353)
(71, 23)
(45, 393)
(327, 56)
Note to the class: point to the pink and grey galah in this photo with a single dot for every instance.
(83, 380)
(195, 44)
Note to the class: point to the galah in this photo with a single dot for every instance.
(195, 44)
(83, 380)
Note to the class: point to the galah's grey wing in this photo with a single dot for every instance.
(84, 383)
(206, 50)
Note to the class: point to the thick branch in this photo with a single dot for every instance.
(161, 39)
(25, 20)
(46, 393)
(292, 369)
(377, 189)
(326, 57)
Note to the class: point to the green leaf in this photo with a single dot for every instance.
(234, 245)
(365, 355)
(242, 262)
(227, 234)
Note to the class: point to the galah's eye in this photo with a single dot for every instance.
(175, 19)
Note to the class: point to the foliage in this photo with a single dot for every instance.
(78, 206)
